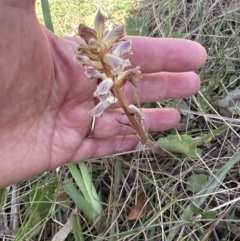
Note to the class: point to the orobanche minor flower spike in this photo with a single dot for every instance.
(108, 66)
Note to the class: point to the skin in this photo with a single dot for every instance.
(45, 97)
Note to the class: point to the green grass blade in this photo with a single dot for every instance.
(212, 134)
(209, 188)
(47, 15)
(42, 201)
(116, 188)
(80, 201)
(94, 199)
(118, 174)
(2, 197)
(77, 229)
(79, 180)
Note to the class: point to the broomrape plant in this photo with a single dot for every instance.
(108, 66)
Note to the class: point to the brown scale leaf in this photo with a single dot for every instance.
(86, 33)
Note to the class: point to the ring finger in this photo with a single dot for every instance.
(114, 122)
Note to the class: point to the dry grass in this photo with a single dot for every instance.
(140, 181)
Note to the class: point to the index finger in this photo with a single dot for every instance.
(166, 54)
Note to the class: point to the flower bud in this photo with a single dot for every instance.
(94, 46)
(104, 87)
(84, 60)
(99, 109)
(116, 63)
(129, 75)
(86, 50)
(112, 37)
(94, 73)
(99, 25)
(123, 48)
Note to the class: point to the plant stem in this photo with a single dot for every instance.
(117, 90)
(118, 93)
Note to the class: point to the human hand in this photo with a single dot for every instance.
(45, 97)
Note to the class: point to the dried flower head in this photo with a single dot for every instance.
(107, 64)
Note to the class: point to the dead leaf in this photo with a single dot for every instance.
(63, 233)
(61, 194)
(63, 197)
(138, 209)
(227, 105)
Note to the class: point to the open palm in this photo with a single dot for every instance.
(45, 97)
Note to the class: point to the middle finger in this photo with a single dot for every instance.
(162, 86)
(114, 122)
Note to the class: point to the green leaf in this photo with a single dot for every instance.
(77, 228)
(177, 35)
(2, 197)
(47, 15)
(230, 67)
(85, 185)
(194, 208)
(94, 199)
(135, 26)
(79, 180)
(207, 190)
(184, 144)
(209, 215)
(196, 182)
(233, 80)
(42, 197)
(123, 6)
(80, 201)
(208, 137)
